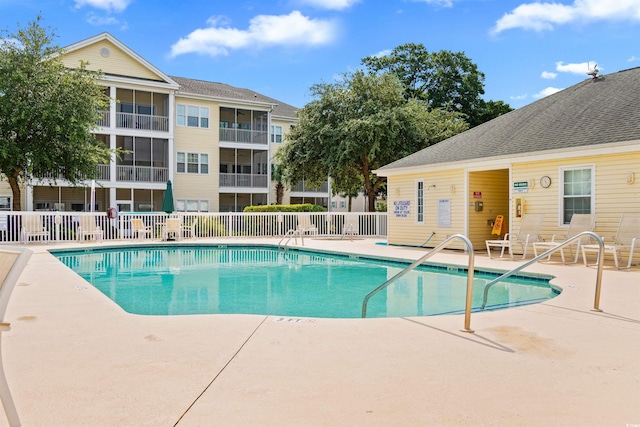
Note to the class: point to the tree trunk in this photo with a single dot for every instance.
(15, 190)
(279, 193)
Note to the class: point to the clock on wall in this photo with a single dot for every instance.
(545, 181)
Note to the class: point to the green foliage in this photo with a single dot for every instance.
(381, 207)
(444, 79)
(358, 125)
(304, 207)
(207, 227)
(47, 112)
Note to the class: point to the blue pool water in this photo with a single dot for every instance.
(250, 280)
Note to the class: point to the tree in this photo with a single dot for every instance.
(277, 176)
(444, 79)
(360, 123)
(47, 112)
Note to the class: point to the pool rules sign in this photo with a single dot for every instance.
(401, 208)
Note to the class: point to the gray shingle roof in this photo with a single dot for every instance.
(592, 112)
(221, 90)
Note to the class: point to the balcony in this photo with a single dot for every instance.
(245, 136)
(302, 187)
(142, 174)
(142, 122)
(243, 180)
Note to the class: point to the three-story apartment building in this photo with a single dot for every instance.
(215, 142)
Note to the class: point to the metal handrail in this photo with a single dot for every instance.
(596, 305)
(435, 250)
(288, 236)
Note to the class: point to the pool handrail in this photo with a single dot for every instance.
(435, 250)
(598, 239)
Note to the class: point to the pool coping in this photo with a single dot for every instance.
(77, 359)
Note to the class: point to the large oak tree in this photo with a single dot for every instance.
(47, 112)
(357, 125)
(443, 79)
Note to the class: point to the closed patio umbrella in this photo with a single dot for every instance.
(167, 202)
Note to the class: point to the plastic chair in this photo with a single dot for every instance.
(627, 237)
(138, 229)
(89, 228)
(32, 227)
(529, 233)
(579, 223)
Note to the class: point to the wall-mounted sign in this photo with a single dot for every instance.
(401, 208)
(521, 187)
(3, 223)
(477, 194)
(444, 213)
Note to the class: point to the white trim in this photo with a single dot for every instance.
(424, 190)
(488, 163)
(561, 194)
(106, 36)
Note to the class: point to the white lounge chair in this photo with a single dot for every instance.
(89, 228)
(350, 227)
(139, 230)
(626, 239)
(579, 223)
(529, 233)
(32, 227)
(12, 263)
(172, 229)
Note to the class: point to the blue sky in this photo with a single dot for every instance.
(527, 49)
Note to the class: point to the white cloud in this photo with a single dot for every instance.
(382, 53)
(578, 68)
(264, 30)
(331, 4)
(541, 16)
(518, 97)
(546, 92)
(633, 59)
(548, 75)
(108, 5)
(97, 21)
(443, 3)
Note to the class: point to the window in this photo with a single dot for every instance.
(192, 205)
(276, 134)
(192, 116)
(5, 203)
(577, 186)
(420, 201)
(192, 163)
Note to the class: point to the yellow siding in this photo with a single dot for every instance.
(613, 196)
(449, 185)
(118, 62)
(197, 140)
(493, 188)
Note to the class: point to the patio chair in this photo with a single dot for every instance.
(32, 227)
(12, 263)
(350, 227)
(139, 230)
(305, 226)
(529, 233)
(172, 229)
(626, 239)
(190, 229)
(89, 228)
(579, 223)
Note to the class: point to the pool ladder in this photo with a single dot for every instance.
(470, 271)
(291, 234)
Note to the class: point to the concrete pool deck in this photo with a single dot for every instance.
(74, 358)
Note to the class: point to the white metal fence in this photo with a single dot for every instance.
(27, 227)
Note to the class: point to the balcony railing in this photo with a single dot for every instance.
(243, 180)
(142, 174)
(142, 122)
(242, 135)
(103, 120)
(302, 187)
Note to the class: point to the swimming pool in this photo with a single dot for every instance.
(227, 279)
